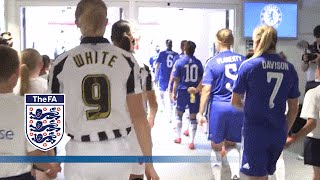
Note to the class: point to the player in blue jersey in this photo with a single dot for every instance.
(170, 84)
(225, 121)
(187, 73)
(268, 82)
(153, 59)
(163, 68)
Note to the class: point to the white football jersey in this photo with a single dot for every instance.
(37, 85)
(95, 78)
(13, 141)
(311, 109)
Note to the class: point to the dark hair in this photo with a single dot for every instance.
(46, 61)
(9, 62)
(316, 31)
(6, 33)
(119, 35)
(3, 41)
(190, 48)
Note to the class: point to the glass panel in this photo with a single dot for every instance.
(51, 30)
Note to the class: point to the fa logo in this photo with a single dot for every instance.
(271, 15)
(44, 120)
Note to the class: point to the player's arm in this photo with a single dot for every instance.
(176, 74)
(51, 169)
(293, 108)
(152, 99)
(310, 111)
(138, 116)
(236, 101)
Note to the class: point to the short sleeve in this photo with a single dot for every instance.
(149, 86)
(134, 81)
(294, 90)
(176, 70)
(54, 83)
(310, 108)
(208, 74)
(241, 84)
(158, 60)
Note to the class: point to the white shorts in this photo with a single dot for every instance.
(124, 146)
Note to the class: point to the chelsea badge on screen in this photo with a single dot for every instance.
(44, 119)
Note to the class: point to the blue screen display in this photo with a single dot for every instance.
(282, 16)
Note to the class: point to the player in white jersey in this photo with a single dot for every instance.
(103, 100)
(121, 36)
(12, 134)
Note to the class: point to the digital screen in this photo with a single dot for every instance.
(282, 16)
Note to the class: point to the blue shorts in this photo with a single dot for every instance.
(261, 148)
(183, 100)
(163, 85)
(225, 122)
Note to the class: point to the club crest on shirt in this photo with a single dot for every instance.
(44, 120)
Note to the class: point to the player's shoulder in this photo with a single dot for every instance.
(313, 93)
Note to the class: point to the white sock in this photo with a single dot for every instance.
(216, 164)
(280, 171)
(192, 130)
(233, 157)
(178, 124)
(163, 101)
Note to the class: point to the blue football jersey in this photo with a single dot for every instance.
(220, 73)
(166, 60)
(267, 82)
(152, 61)
(189, 70)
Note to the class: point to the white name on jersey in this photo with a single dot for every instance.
(229, 59)
(275, 65)
(93, 57)
(6, 134)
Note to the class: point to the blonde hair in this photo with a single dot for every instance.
(225, 37)
(29, 61)
(267, 38)
(90, 16)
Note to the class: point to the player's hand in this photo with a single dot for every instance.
(192, 90)
(151, 172)
(201, 119)
(174, 96)
(54, 169)
(151, 121)
(305, 58)
(290, 139)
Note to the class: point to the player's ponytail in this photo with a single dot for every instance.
(30, 65)
(266, 39)
(24, 79)
(119, 35)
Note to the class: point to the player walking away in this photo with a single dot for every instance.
(225, 122)
(30, 81)
(121, 36)
(102, 86)
(163, 66)
(187, 73)
(268, 82)
(153, 59)
(170, 85)
(13, 141)
(46, 67)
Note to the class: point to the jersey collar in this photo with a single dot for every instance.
(94, 40)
